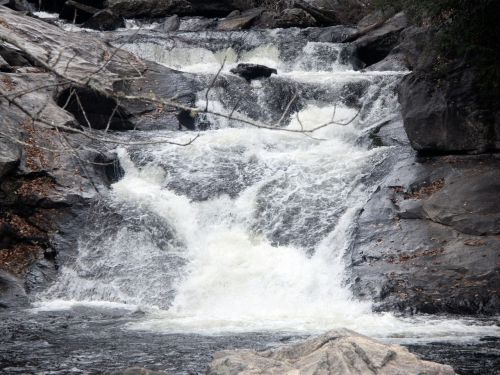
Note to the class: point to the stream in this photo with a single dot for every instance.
(239, 239)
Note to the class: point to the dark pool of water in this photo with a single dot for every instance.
(93, 341)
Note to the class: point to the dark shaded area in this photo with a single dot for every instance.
(104, 20)
(253, 71)
(109, 166)
(92, 109)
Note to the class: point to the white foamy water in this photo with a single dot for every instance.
(246, 229)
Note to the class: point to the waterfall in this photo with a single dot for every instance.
(246, 229)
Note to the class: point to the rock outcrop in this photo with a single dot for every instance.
(341, 352)
(444, 106)
(427, 241)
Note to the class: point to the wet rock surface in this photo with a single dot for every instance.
(420, 249)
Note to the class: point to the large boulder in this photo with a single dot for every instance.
(334, 12)
(376, 42)
(446, 113)
(444, 106)
(468, 203)
(295, 17)
(426, 241)
(341, 352)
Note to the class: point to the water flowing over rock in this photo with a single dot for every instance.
(298, 190)
(339, 352)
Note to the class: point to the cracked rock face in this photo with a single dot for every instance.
(341, 351)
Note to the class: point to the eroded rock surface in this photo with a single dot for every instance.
(427, 240)
(340, 352)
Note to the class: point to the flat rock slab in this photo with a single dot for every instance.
(339, 352)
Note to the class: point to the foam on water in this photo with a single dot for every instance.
(246, 229)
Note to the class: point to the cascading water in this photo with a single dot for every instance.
(246, 228)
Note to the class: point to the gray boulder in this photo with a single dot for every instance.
(341, 352)
(12, 293)
(469, 203)
(413, 249)
(239, 21)
(447, 114)
(172, 23)
(376, 43)
(295, 17)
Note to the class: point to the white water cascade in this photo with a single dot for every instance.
(246, 229)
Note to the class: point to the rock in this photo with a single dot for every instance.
(171, 23)
(70, 54)
(468, 203)
(77, 11)
(414, 249)
(332, 34)
(12, 293)
(266, 21)
(14, 57)
(10, 154)
(4, 65)
(104, 20)
(375, 44)
(414, 43)
(323, 13)
(395, 62)
(295, 17)
(136, 371)
(371, 19)
(241, 21)
(448, 115)
(253, 71)
(21, 5)
(337, 352)
(161, 8)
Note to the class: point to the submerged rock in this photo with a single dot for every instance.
(341, 352)
(253, 71)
